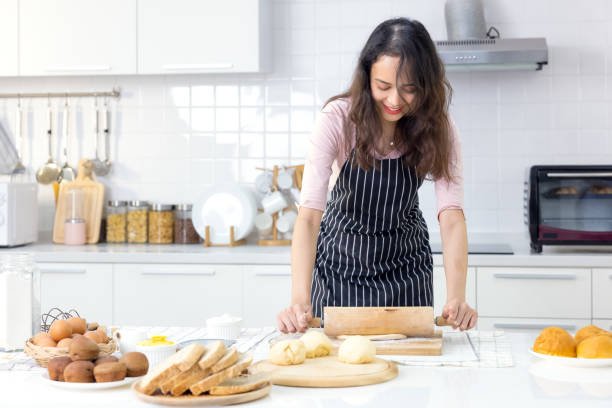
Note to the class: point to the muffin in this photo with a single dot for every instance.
(108, 372)
(56, 367)
(105, 359)
(136, 363)
(595, 347)
(589, 331)
(79, 371)
(555, 341)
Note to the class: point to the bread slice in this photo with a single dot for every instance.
(193, 372)
(167, 369)
(240, 384)
(192, 357)
(233, 371)
(230, 357)
(214, 352)
(196, 374)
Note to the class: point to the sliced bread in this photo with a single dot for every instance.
(230, 357)
(233, 371)
(167, 369)
(240, 384)
(196, 374)
(213, 353)
(192, 357)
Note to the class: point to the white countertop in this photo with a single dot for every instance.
(45, 251)
(530, 383)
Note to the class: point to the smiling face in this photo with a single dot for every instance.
(393, 100)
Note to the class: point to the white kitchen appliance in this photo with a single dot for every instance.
(18, 213)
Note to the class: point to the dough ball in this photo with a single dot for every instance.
(589, 331)
(317, 344)
(556, 342)
(357, 350)
(595, 347)
(288, 352)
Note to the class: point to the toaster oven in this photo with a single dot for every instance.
(568, 205)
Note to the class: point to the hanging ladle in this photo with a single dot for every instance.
(99, 167)
(19, 167)
(68, 173)
(50, 171)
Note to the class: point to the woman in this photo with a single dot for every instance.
(376, 143)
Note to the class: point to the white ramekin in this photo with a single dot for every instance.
(156, 354)
(224, 327)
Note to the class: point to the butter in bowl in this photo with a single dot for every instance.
(157, 349)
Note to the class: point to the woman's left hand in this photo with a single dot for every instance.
(459, 314)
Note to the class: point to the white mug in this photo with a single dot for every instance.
(273, 202)
(263, 224)
(263, 182)
(284, 179)
(128, 338)
(286, 221)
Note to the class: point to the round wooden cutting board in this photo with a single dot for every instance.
(327, 372)
(201, 400)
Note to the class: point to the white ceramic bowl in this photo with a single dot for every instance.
(156, 354)
(224, 327)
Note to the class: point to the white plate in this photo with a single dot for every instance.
(222, 207)
(88, 386)
(574, 362)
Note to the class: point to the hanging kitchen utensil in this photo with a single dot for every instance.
(68, 173)
(98, 165)
(19, 167)
(106, 126)
(8, 154)
(50, 171)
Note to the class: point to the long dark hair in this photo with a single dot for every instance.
(423, 135)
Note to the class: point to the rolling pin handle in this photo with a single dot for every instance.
(441, 321)
(315, 322)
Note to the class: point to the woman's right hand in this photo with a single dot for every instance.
(295, 318)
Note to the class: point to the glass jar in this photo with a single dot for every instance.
(161, 224)
(116, 221)
(74, 225)
(184, 232)
(137, 218)
(20, 291)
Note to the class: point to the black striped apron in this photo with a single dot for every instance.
(373, 245)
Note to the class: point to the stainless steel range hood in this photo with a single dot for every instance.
(494, 54)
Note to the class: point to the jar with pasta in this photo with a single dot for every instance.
(116, 221)
(137, 221)
(161, 224)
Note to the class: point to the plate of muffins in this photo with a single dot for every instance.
(591, 346)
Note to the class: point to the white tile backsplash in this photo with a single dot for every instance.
(209, 129)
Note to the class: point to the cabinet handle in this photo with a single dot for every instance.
(63, 270)
(531, 326)
(273, 274)
(573, 175)
(177, 67)
(556, 276)
(78, 69)
(209, 272)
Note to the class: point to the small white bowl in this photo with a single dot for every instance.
(224, 327)
(156, 353)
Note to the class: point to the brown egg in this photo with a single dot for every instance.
(75, 335)
(60, 329)
(64, 342)
(43, 339)
(78, 325)
(102, 335)
(93, 336)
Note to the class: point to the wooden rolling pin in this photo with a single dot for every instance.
(410, 321)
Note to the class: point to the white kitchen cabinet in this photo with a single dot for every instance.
(175, 294)
(439, 286)
(203, 36)
(9, 38)
(267, 290)
(602, 293)
(530, 325)
(605, 324)
(86, 288)
(562, 293)
(77, 37)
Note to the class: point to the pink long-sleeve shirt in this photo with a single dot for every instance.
(326, 156)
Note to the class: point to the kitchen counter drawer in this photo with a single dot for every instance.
(86, 288)
(534, 292)
(267, 291)
(175, 295)
(534, 326)
(602, 293)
